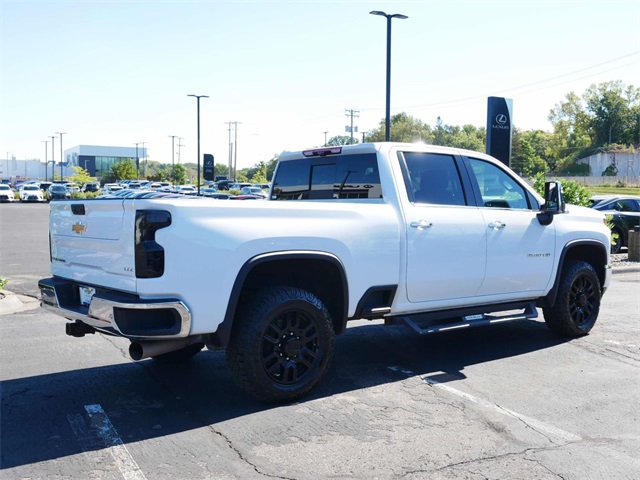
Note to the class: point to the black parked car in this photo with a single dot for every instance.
(626, 215)
(58, 191)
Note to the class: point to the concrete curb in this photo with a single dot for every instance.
(13, 303)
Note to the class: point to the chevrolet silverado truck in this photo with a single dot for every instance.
(429, 237)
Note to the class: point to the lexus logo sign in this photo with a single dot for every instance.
(501, 119)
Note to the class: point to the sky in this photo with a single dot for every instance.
(119, 72)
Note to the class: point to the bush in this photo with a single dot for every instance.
(574, 193)
(3, 282)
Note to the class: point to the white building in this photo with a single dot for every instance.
(98, 160)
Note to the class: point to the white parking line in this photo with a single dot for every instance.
(531, 422)
(125, 462)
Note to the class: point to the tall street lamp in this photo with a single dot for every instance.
(388, 106)
(53, 157)
(198, 97)
(61, 133)
(46, 161)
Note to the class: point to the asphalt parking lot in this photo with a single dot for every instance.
(506, 402)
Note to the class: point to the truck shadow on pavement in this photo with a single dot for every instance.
(44, 417)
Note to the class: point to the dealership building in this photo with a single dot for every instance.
(98, 160)
(95, 159)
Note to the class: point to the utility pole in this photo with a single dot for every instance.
(180, 144)
(61, 133)
(352, 113)
(46, 162)
(144, 157)
(53, 157)
(173, 156)
(233, 153)
(325, 139)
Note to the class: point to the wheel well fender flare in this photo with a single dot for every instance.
(220, 338)
(577, 250)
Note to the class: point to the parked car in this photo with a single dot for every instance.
(110, 188)
(31, 193)
(239, 186)
(73, 188)
(186, 190)
(6, 194)
(625, 212)
(44, 186)
(257, 191)
(58, 191)
(91, 187)
(208, 192)
(224, 184)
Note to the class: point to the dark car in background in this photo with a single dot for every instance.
(58, 191)
(625, 212)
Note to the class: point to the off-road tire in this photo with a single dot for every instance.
(178, 356)
(578, 301)
(281, 344)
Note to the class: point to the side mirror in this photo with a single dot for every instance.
(553, 202)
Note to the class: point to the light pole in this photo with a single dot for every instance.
(61, 133)
(53, 157)
(388, 105)
(46, 161)
(137, 162)
(198, 97)
(325, 139)
(173, 154)
(144, 158)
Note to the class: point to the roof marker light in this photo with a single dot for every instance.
(322, 152)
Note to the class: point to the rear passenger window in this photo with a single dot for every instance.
(497, 188)
(332, 177)
(433, 178)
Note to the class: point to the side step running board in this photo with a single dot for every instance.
(471, 320)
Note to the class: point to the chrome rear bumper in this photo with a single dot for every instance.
(115, 312)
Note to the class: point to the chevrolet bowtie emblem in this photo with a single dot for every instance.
(79, 228)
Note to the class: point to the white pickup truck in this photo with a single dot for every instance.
(430, 237)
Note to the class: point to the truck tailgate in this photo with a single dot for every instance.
(92, 243)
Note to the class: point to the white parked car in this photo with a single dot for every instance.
(6, 194)
(110, 188)
(186, 190)
(31, 193)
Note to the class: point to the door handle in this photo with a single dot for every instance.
(421, 224)
(497, 225)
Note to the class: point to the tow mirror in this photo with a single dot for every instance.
(553, 202)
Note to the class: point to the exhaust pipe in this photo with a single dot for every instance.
(152, 348)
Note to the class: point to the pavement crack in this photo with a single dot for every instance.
(243, 458)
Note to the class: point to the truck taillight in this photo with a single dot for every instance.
(149, 254)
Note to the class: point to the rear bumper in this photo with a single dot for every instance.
(115, 312)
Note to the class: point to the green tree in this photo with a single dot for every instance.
(612, 108)
(80, 176)
(339, 140)
(403, 128)
(125, 170)
(179, 174)
(260, 174)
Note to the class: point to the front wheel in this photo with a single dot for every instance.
(281, 344)
(578, 302)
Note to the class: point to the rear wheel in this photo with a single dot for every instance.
(578, 302)
(281, 344)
